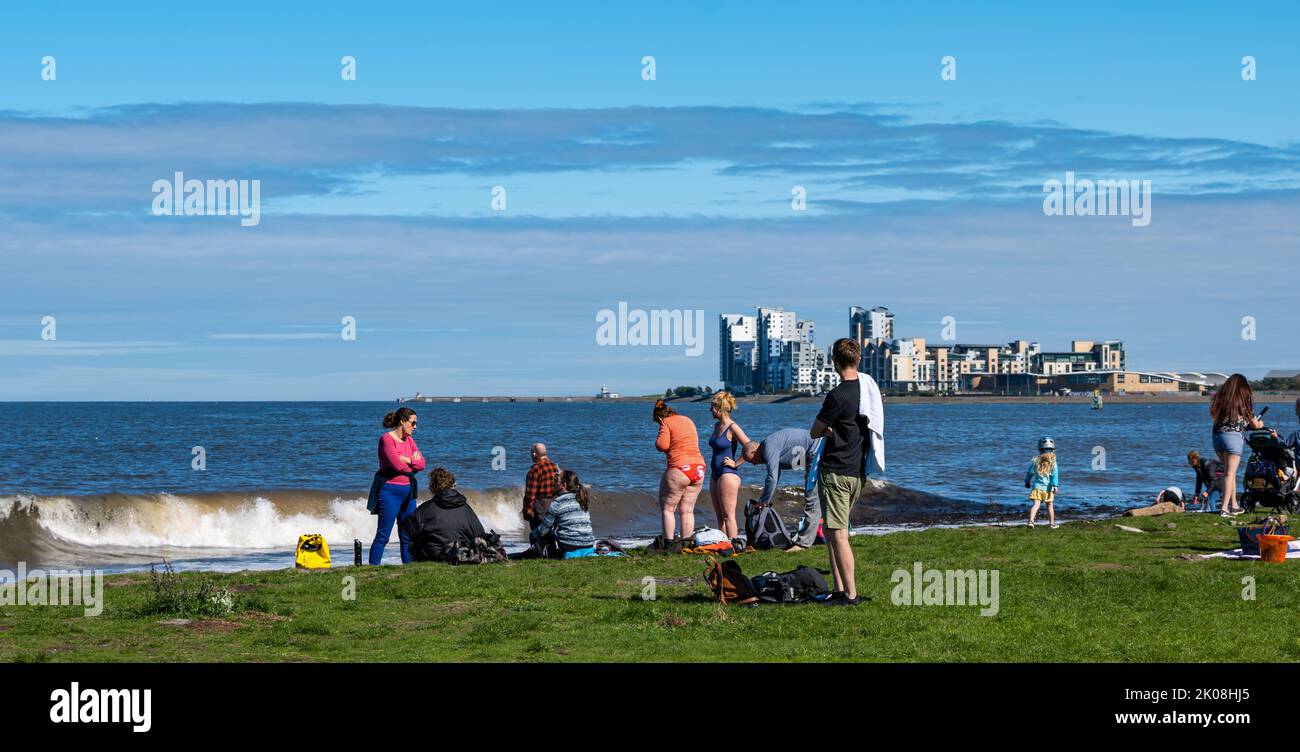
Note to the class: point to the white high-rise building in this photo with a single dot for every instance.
(868, 324)
(873, 329)
(737, 354)
(776, 327)
(804, 361)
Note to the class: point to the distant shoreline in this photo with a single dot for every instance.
(975, 399)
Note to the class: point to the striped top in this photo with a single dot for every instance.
(567, 522)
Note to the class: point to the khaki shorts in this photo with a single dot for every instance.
(838, 493)
(1042, 494)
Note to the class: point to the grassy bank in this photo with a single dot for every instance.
(1085, 592)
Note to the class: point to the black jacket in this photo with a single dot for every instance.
(438, 523)
(1209, 475)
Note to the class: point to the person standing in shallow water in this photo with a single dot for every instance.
(392, 495)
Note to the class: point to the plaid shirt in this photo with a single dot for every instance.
(543, 482)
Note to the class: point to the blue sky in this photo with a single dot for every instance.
(924, 195)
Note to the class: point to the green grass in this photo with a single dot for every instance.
(1085, 592)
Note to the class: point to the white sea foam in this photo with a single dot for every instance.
(258, 522)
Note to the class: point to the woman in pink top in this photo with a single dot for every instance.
(682, 480)
(392, 495)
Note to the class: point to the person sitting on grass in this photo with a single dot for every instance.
(443, 521)
(566, 525)
(1042, 480)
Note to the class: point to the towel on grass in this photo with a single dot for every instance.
(1292, 552)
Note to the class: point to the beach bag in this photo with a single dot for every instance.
(800, 585)
(764, 527)
(674, 546)
(1249, 536)
(482, 550)
(729, 584)
(608, 548)
(312, 552)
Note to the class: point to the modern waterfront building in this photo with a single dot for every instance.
(1086, 381)
(772, 351)
(776, 327)
(737, 352)
(868, 324)
(911, 364)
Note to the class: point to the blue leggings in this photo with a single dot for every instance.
(394, 506)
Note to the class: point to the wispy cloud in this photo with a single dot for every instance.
(417, 161)
(274, 336)
(27, 348)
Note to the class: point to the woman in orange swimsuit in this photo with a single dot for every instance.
(684, 477)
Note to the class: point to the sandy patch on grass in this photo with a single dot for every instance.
(262, 616)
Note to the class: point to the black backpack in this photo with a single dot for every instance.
(483, 550)
(797, 586)
(764, 527)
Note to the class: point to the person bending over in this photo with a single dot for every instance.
(1209, 476)
(791, 449)
(1168, 501)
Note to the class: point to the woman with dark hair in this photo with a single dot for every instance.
(566, 525)
(680, 485)
(1233, 410)
(392, 494)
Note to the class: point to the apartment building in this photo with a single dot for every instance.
(737, 352)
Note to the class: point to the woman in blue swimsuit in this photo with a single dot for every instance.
(724, 479)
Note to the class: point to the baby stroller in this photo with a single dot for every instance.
(1271, 474)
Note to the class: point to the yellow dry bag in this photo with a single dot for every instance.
(312, 553)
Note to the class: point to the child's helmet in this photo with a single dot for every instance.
(1046, 444)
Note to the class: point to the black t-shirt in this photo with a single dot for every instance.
(845, 447)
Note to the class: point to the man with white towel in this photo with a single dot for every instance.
(851, 421)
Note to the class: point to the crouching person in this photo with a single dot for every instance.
(1167, 501)
(445, 528)
(566, 526)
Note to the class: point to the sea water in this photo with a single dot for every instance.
(120, 485)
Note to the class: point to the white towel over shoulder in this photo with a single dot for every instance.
(871, 405)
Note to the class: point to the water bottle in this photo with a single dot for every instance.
(356, 552)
